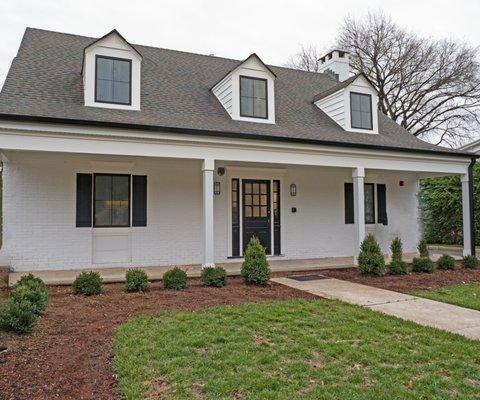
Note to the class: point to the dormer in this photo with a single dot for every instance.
(352, 104)
(247, 93)
(111, 73)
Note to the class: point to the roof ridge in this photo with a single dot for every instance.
(178, 51)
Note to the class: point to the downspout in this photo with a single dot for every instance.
(471, 205)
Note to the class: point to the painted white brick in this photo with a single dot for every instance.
(39, 212)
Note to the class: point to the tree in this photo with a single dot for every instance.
(307, 59)
(430, 87)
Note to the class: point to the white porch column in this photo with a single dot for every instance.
(467, 239)
(208, 167)
(358, 208)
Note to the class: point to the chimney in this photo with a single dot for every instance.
(336, 64)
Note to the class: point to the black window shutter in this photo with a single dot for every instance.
(84, 200)
(139, 200)
(382, 204)
(349, 216)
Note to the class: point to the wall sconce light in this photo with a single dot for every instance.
(216, 188)
(293, 189)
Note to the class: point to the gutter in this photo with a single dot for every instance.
(471, 205)
(223, 134)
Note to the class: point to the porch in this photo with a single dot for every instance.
(117, 274)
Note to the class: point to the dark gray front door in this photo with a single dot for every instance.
(256, 212)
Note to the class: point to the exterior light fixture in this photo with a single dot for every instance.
(293, 189)
(216, 188)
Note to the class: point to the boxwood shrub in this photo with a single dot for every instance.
(255, 268)
(88, 283)
(214, 276)
(136, 280)
(423, 264)
(18, 316)
(31, 291)
(470, 261)
(370, 260)
(397, 265)
(175, 279)
(446, 262)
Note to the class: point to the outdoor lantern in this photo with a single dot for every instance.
(216, 188)
(293, 189)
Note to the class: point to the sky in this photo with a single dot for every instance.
(274, 29)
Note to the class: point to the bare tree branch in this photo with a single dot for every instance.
(429, 87)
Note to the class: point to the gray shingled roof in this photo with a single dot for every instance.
(44, 81)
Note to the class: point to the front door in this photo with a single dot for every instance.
(256, 212)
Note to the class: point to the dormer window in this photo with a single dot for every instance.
(111, 72)
(361, 111)
(113, 80)
(253, 97)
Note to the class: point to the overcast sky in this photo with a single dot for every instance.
(273, 29)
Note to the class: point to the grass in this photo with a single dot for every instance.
(293, 349)
(461, 295)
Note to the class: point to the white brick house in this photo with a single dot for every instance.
(121, 155)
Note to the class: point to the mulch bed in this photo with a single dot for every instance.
(411, 281)
(68, 354)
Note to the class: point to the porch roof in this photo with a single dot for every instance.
(45, 84)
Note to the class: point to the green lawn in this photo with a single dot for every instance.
(460, 295)
(292, 349)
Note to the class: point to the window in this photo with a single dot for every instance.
(369, 189)
(253, 97)
(111, 200)
(361, 111)
(369, 198)
(113, 80)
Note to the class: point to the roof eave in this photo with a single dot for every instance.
(236, 135)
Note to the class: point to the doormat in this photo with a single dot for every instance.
(304, 278)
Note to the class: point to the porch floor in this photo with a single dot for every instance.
(117, 274)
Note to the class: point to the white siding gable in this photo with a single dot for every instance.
(334, 107)
(111, 45)
(337, 105)
(227, 91)
(223, 92)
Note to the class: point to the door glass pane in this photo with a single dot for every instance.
(256, 188)
(256, 211)
(263, 211)
(263, 199)
(248, 188)
(248, 200)
(256, 200)
(263, 188)
(102, 213)
(248, 211)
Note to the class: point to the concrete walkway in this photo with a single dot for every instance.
(463, 321)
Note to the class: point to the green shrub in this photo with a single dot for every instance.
(397, 266)
(175, 279)
(32, 278)
(216, 277)
(470, 261)
(371, 264)
(370, 245)
(18, 316)
(88, 283)
(255, 268)
(423, 248)
(370, 260)
(446, 262)
(423, 264)
(32, 291)
(136, 280)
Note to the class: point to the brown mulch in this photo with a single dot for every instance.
(411, 281)
(68, 354)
